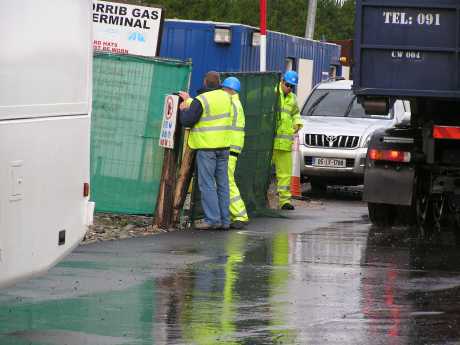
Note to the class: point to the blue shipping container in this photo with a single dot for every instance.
(194, 40)
(407, 48)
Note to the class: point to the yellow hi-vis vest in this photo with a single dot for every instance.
(213, 130)
(188, 101)
(238, 123)
(288, 117)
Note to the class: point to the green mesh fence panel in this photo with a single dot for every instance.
(253, 171)
(126, 161)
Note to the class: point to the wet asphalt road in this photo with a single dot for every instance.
(321, 276)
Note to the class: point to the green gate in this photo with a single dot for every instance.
(126, 161)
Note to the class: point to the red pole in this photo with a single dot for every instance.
(263, 35)
(263, 17)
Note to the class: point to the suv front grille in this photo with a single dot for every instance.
(331, 141)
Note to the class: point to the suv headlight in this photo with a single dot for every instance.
(301, 137)
(367, 140)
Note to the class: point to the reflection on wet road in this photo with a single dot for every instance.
(322, 277)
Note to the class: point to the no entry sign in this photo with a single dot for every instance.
(168, 126)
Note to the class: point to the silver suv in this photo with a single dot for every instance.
(336, 133)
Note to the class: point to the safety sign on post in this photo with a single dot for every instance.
(168, 126)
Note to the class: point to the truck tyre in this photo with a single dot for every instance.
(381, 215)
(454, 217)
(406, 215)
(427, 223)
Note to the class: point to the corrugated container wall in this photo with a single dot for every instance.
(194, 40)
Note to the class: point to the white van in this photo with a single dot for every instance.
(45, 106)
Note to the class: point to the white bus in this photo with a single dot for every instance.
(45, 107)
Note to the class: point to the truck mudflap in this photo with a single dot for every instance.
(389, 176)
(389, 185)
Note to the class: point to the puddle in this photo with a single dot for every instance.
(57, 337)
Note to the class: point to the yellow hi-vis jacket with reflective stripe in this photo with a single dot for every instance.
(238, 123)
(188, 101)
(213, 130)
(288, 118)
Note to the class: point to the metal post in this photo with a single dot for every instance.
(311, 19)
(263, 35)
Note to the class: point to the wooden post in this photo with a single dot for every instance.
(183, 181)
(163, 211)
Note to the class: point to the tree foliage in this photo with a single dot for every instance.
(333, 21)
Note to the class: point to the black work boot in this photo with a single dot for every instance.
(288, 206)
(238, 224)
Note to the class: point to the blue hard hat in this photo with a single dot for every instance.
(232, 83)
(291, 77)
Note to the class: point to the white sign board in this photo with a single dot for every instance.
(305, 80)
(346, 72)
(126, 29)
(168, 127)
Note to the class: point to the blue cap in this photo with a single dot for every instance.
(232, 83)
(291, 77)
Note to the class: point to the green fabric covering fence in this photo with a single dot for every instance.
(253, 172)
(126, 161)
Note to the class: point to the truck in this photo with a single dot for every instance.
(409, 50)
(45, 112)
